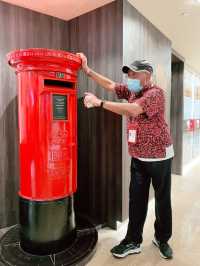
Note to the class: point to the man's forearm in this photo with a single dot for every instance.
(101, 80)
(128, 109)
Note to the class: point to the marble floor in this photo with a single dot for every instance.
(186, 228)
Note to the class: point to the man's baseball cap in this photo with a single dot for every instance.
(138, 66)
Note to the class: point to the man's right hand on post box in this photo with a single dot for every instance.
(85, 67)
(99, 79)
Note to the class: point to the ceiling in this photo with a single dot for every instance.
(64, 9)
(179, 20)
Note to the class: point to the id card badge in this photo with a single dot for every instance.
(132, 133)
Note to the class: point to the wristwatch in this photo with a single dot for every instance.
(101, 105)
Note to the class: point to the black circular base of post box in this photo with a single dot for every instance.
(46, 227)
(78, 253)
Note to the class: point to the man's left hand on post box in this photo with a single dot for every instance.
(90, 100)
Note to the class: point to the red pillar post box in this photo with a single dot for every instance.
(47, 110)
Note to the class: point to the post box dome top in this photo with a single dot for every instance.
(38, 56)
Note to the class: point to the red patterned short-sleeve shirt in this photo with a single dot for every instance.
(153, 135)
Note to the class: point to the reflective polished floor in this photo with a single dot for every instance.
(186, 228)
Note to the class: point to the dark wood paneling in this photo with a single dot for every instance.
(99, 35)
(99, 165)
(19, 28)
(177, 113)
(142, 40)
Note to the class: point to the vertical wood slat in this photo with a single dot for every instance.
(177, 115)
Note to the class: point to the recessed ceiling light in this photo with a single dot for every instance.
(197, 2)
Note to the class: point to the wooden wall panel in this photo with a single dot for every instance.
(19, 28)
(99, 35)
(177, 115)
(99, 165)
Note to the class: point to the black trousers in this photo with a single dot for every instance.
(142, 173)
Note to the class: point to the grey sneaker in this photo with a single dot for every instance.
(125, 248)
(166, 251)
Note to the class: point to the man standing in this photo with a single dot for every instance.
(150, 147)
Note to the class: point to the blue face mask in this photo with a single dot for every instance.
(134, 85)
